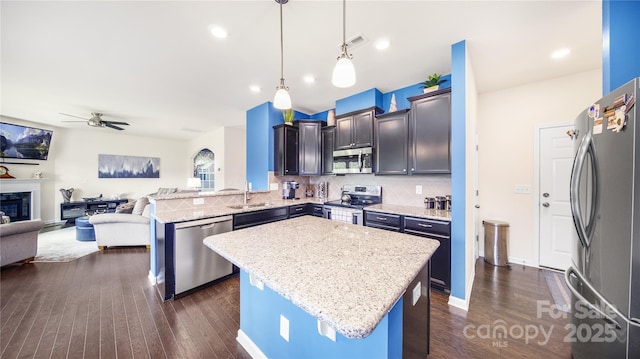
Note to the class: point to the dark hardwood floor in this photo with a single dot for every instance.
(103, 306)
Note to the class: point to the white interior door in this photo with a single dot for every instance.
(556, 224)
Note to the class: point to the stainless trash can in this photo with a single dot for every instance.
(496, 235)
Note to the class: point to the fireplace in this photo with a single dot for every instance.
(20, 198)
(16, 205)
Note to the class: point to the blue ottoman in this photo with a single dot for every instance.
(84, 230)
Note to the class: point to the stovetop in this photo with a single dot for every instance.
(361, 196)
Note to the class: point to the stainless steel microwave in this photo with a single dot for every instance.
(357, 160)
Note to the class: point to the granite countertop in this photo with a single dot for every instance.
(410, 211)
(346, 275)
(196, 193)
(202, 212)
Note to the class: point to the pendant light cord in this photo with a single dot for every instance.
(281, 49)
(344, 23)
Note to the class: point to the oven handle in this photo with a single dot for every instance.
(360, 161)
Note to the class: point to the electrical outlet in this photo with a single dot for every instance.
(197, 201)
(418, 189)
(284, 327)
(273, 187)
(522, 189)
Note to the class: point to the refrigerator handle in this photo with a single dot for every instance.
(574, 189)
(572, 271)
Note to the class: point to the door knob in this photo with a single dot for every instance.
(545, 194)
(545, 204)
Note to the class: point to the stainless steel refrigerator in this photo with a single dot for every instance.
(605, 203)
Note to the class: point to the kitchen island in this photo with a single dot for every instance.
(316, 288)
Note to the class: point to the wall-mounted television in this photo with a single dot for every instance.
(24, 142)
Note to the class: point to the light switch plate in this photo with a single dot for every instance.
(418, 189)
(197, 201)
(273, 187)
(522, 189)
(284, 327)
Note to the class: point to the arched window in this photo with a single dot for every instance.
(204, 168)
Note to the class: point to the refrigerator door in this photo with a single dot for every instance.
(601, 200)
(596, 330)
(605, 186)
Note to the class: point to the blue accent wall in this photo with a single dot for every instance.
(260, 312)
(260, 122)
(620, 43)
(458, 169)
(359, 101)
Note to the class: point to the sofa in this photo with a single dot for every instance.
(19, 241)
(129, 226)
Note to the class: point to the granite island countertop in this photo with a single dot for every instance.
(347, 275)
(412, 211)
(191, 214)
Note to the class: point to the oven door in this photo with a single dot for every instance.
(345, 215)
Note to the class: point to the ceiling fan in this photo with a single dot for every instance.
(97, 121)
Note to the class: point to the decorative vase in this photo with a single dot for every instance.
(66, 194)
(430, 89)
(331, 118)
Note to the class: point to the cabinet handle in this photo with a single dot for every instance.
(381, 218)
(404, 170)
(413, 169)
(286, 170)
(299, 209)
(425, 225)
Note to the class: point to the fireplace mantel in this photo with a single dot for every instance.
(33, 185)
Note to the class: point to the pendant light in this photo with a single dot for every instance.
(344, 74)
(282, 100)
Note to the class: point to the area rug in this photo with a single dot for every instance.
(559, 290)
(61, 246)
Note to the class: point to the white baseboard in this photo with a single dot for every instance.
(152, 278)
(523, 262)
(463, 303)
(249, 345)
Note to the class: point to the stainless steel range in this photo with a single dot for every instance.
(354, 198)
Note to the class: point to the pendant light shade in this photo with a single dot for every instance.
(344, 74)
(282, 100)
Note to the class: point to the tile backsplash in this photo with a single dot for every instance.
(398, 190)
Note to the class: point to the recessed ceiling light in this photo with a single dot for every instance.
(309, 79)
(218, 31)
(254, 88)
(560, 53)
(382, 44)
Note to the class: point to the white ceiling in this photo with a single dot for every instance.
(154, 64)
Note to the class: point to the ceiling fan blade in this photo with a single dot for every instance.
(112, 126)
(115, 122)
(66, 114)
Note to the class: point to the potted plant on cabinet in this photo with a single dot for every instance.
(287, 115)
(432, 83)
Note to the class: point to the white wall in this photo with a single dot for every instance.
(228, 147)
(73, 163)
(506, 122)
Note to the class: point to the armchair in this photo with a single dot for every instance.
(19, 241)
(123, 229)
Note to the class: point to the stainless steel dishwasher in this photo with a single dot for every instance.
(195, 263)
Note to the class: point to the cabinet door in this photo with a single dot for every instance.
(310, 160)
(431, 135)
(328, 139)
(344, 138)
(362, 129)
(285, 151)
(392, 144)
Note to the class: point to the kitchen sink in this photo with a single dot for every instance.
(252, 205)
